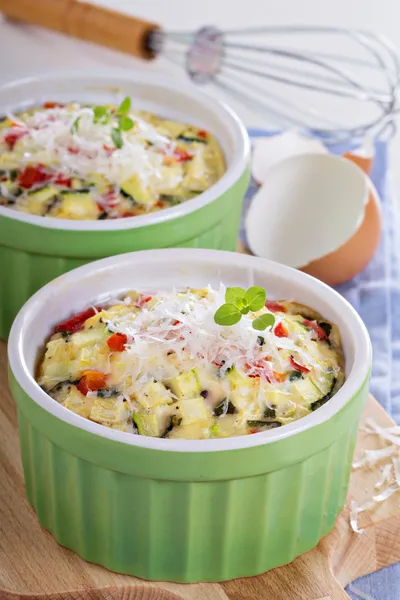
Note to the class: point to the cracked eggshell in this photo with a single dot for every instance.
(267, 151)
(318, 213)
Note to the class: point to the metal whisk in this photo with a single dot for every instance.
(287, 82)
(289, 75)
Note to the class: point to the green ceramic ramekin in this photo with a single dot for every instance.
(185, 510)
(35, 250)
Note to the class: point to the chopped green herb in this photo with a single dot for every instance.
(227, 314)
(255, 298)
(75, 125)
(117, 137)
(104, 393)
(264, 424)
(263, 321)
(224, 407)
(125, 106)
(269, 412)
(125, 123)
(234, 294)
(240, 302)
(260, 340)
(294, 375)
(101, 115)
(186, 138)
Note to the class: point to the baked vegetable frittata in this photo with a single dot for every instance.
(159, 365)
(76, 161)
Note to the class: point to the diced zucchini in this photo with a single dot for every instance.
(306, 392)
(259, 425)
(324, 383)
(57, 364)
(78, 206)
(153, 424)
(194, 431)
(214, 390)
(110, 412)
(228, 426)
(135, 190)
(185, 386)
(90, 336)
(79, 185)
(244, 390)
(153, 394)
(39, 200)
(196, 179)
(327, 386)
(78, 403)
(193, 410)
(277, 398)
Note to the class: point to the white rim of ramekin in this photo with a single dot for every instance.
(225, 114)
(354, 381)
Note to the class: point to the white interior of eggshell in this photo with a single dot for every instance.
(308, 206)
(267, 151)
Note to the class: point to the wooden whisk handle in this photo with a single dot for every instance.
(86, 22)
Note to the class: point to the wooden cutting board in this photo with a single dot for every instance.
(33, 566)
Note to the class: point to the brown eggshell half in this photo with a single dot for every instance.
(352, 257)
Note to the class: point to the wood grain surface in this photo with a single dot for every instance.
(33, 566)
(85, 21)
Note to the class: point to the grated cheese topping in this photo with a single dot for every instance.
(51, 136)
(146, 164)
(178, 372)
(389, 481)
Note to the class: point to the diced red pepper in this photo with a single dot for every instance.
(125, 215)
(52, 105)
(116, 342)
(60, 179)
(320, 333)
(280, 376)
(202, 134)
(182, 155)
(274, 306)
(91, 381)
(280, 330)
(298, 367)
(112, 198)
(33, 175)
(143, 300)
(73, 150)
(76, 322)
(108, 149)
(260, 367)
(14, 136)
(176, 322)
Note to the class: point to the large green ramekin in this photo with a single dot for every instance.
(35, 250)
(185, 510)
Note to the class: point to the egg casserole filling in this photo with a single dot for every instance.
(159, 365)
(79, 161)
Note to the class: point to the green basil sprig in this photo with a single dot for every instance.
(240, 302)
(103, 115)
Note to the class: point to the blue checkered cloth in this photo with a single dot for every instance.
(375, 294)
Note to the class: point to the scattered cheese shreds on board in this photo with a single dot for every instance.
(389, 481)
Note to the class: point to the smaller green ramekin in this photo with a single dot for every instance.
(185, 510)
(35, 250)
